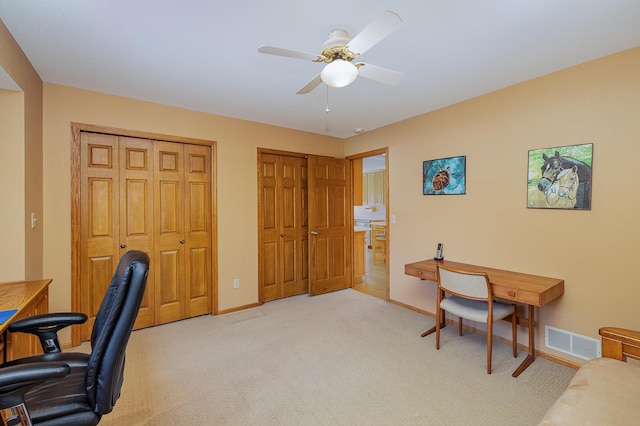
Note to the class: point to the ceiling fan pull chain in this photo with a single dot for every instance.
(326, 126)
(327, 108)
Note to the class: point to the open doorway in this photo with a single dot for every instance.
(370, 217)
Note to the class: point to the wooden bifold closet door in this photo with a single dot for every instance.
(149, 195)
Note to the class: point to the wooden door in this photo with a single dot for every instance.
(197, 229)
(330, 224)
(116, 216)
(136, 211)
(183, 231)
(283, 226)
(136, 193)
(169, 265)
(99, 221)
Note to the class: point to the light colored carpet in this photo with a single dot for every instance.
(342, 358)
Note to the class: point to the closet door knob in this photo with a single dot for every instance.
(181, 241)
(123, 245)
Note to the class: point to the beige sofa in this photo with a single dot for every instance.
(604, 391)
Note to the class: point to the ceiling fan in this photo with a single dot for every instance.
(339, 51)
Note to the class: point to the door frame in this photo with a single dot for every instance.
(380, 151)
(76, 129)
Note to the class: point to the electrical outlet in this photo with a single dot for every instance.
(236, 283)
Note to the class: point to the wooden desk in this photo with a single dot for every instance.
(29, 298)
(527, 289)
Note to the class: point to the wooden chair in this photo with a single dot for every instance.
(468, 295)
(379, 242)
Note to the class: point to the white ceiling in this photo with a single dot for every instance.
(202, 54)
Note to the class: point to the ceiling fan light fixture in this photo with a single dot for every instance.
(339, 73)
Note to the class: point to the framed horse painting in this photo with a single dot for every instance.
(560, 178)
(444, 176)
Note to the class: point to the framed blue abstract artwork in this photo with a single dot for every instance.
(444, 176)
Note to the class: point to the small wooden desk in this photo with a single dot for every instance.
(29, 298)
(527, 289)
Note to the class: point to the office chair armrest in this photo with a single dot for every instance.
(58, 320)
(19, 376)
(46, 327)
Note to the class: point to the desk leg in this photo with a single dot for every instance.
(531, 356)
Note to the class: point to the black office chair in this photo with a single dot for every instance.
(75, 389)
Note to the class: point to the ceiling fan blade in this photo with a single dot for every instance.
(310, 85)
(379, 74)
(270, 50)
(376, 31)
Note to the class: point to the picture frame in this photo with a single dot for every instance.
(560, 177)
(445, 176)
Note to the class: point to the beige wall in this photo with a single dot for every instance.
(237, 143)
(12, 252)
(26, 260)
(595, 251)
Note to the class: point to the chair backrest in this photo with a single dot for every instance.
(465, 284)
(112, 328)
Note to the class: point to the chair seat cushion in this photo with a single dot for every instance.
(59, 398)
(475, 310)
(60, 401)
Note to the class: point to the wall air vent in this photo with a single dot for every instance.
(571, 343)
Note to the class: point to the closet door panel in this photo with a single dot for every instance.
(169, 232)
(99, 221)
(197, 211)
(136, 212)
(169, 297)
(269, 224)
(293, 226)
